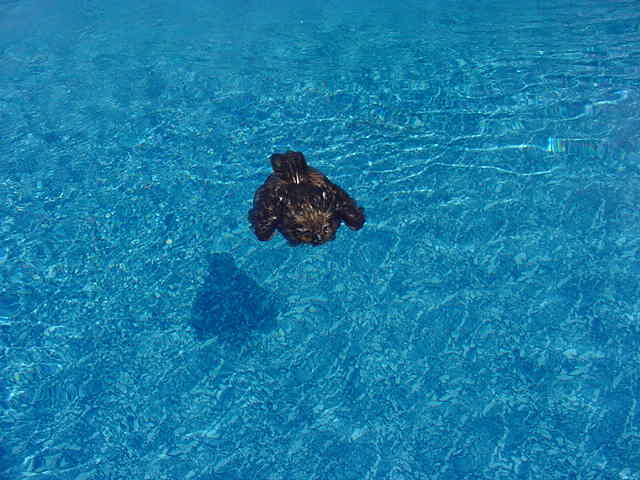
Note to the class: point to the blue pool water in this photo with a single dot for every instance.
(484, 324)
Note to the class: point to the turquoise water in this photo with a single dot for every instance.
(484, 324)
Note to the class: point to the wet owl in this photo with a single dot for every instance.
(301, 203)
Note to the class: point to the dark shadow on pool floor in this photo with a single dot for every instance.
(231, 304)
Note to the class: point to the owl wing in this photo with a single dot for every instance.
(266, 209)
(348, 210)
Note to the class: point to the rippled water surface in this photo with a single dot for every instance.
(484, 324)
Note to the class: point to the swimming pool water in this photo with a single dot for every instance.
(484, 324)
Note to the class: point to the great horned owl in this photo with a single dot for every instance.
(301, 203)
